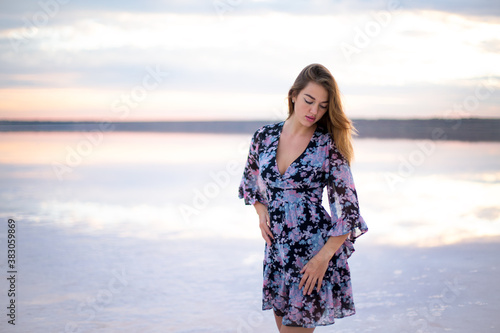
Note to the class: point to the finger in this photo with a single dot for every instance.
(266, 228)
(267, 231)
(307, 289)
(307, 285)
(304, 285)
(311, 286)
(302, 281)
(266, 238)
(271, 234)
(263, 223)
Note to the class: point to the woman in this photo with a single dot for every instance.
(306, 275)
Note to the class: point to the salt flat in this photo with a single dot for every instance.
(146, 234)
(97, 282)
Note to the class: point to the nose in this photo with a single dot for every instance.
(314, 109)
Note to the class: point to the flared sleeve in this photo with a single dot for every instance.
(251, 188)
(343, 198)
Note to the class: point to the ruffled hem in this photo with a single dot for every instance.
(329, 321)
(323, 323)
(250, 196)
(309, 310)
(248, 200)
(356, 226)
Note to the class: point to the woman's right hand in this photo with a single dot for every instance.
(264, 222)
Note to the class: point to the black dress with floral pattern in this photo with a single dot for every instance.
(301, 225)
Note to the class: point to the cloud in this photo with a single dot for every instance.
(416, 63)
(491, 213)
(462, 7)
(491, 46)
(16, 10)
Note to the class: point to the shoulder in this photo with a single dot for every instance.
(270, 128)
(266, 131)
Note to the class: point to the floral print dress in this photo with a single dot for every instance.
(301, 225)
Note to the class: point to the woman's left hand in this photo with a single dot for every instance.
(313, 273)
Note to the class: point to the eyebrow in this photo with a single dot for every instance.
(315, 98)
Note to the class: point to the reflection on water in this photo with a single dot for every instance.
(185, 185)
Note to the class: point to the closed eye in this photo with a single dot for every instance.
(324, 106)
(308, 102)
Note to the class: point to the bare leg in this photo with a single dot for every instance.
(287, 329)
(278, 321)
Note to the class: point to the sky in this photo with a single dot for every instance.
(236, 59)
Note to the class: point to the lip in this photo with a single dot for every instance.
(311, 119)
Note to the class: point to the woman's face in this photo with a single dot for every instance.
(310, 104)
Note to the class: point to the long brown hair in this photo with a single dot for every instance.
(334, 120)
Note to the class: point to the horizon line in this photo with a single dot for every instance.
(227, 120)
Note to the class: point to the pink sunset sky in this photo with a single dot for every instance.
(235, 60)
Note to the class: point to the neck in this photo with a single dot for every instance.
(294, 127)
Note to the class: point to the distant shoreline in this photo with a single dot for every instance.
(466, 129)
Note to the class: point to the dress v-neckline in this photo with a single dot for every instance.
(298, 157)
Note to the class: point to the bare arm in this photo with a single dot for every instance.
(314, 271)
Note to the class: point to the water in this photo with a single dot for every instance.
(144, 232)
(183, 185)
